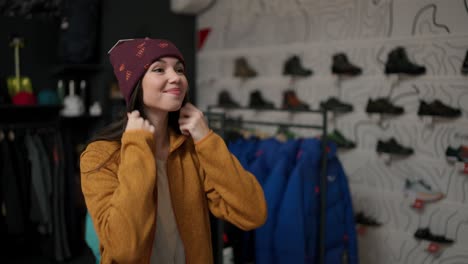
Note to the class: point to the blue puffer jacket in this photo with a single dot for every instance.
(341, 239)
(274, 187)
(266, 157)
(244, 150)
(296, 234)
(290, 232)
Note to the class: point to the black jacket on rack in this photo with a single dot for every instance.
(33, 187)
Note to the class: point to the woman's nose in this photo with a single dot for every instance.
(174, 76)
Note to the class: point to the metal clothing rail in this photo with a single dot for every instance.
(317, 111)
(278, 124)
(221, 117)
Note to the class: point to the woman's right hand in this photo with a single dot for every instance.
(135, 122)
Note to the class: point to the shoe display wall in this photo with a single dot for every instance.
(401, 68)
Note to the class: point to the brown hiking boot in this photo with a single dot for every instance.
(291, 102)
(242, 69)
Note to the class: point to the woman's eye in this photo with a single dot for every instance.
(158, 70)
(180, 70)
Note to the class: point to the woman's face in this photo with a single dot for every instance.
(164, 85)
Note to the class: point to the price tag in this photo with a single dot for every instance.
(387, 158)
(375, 117)
(361, 230)
(418, 204)
(428, 121)
(434, 249)
(462, 167)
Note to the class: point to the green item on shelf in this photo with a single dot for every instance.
(18, 83)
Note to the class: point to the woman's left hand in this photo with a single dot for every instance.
(192, 122)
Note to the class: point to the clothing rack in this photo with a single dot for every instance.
(14, 118)
(221, 117)
(41, 121)
(9, 130)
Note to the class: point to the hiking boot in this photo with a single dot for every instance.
(362, 219)
(393, 147)
(291, 102)
(341, 65)
(426, 234)
(242, 69)
(452, 154)
(422, 191)
(340, 140)
(463, 153)
(335, 105)
(464, 69)
(225, 100)
(457, 154)
(398, 62)
(437, 108)
(293, 66)
(383, 106)
(257, 101)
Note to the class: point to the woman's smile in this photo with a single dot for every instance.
(174, 91)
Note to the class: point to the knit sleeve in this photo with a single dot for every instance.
(233, 193)
(120, 198)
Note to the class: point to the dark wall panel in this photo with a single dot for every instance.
(38, 55)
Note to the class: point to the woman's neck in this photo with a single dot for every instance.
(161, 133)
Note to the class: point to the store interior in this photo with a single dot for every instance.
(372, 93)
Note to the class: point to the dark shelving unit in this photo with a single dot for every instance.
(14, 114)
(73, 69)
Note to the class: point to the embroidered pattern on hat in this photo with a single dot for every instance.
(122, 67)
(128, 74)
(140, 52)
(142, 45)
(163, 45)
(141, 49)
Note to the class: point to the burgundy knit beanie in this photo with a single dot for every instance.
(130, 59)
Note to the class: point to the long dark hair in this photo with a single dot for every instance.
(115, 130)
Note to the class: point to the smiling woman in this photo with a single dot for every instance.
(151, 179)
(164, 85)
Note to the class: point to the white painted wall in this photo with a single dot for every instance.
(268, 32)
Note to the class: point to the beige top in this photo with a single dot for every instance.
(167, 246)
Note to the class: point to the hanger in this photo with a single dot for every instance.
(283, 134)
(11, 135)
